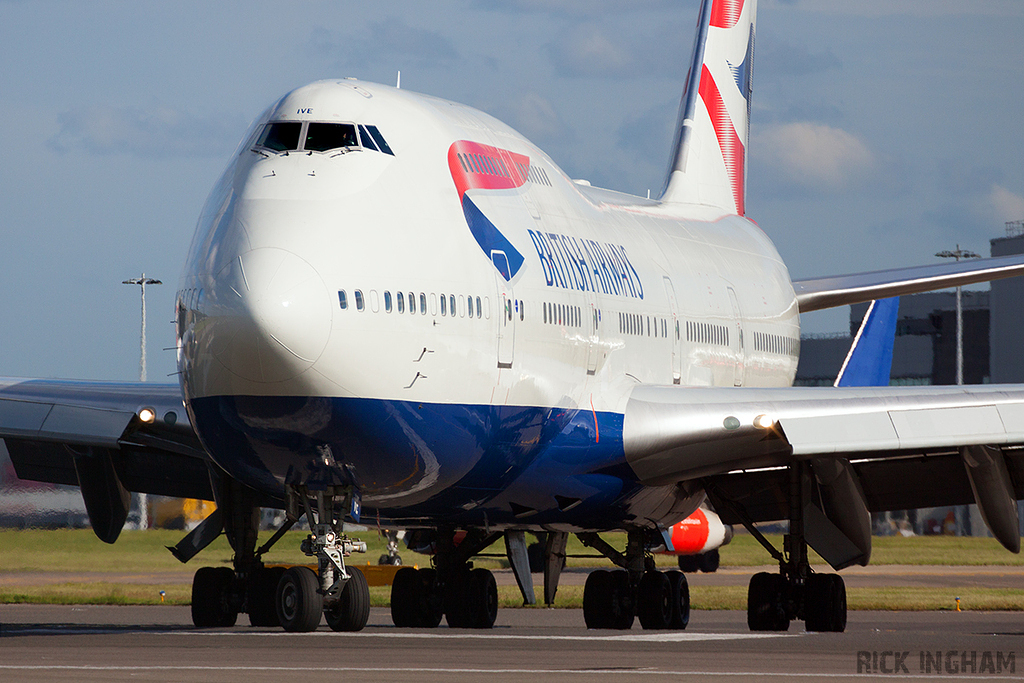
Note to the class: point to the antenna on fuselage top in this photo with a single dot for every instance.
(398, 84)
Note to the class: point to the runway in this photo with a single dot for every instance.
(46, 642)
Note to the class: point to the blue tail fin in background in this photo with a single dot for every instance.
(869, 362)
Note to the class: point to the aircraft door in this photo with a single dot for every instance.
(506, 310)
(737, 345)
(593, 323)
(677, 342)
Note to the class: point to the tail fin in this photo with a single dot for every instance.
(709, 155)
(869, 362)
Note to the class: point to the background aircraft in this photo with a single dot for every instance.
(397, 307)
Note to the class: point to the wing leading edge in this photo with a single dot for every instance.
(840, 290)
(91, 435)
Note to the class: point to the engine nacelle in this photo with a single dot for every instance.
(701, 532)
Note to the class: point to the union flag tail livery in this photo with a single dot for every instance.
(709, 157)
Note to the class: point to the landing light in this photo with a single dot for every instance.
(147, 415)
(764, 422)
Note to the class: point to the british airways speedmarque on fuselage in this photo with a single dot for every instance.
(397, 309)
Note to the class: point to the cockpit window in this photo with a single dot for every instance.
(281, 136)
(365, 138)
(379, 139)
(299, 136)
(321, 137)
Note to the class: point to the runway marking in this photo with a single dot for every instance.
(661, 637)
(618, 671)
(664, 637)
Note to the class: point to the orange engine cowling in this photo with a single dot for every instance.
(700, 532)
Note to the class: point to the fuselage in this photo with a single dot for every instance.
(433, 312)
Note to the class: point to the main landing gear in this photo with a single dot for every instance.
(796, 592)
(296, 597)
(453, 589)
(613, 599)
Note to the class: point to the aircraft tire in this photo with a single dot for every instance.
(709, 561)
(299, 603)
(765, 611)
(595, 592)
(261, 596)
(535, 553)
(623, 601)
(688, 564)
(680, 599)
(608, 601)
(404, 591)
(474, 602)
(211, 602)
(825, 603)
(654, 602)
(352, 610)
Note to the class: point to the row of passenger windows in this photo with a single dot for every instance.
(776, 343)
(488, 165)
(294, 136)
(645, 325)
(561, 314)
(707, 333)
(462, 306)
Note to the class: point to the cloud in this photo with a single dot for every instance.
(585, 50)
(535, 117)
(155, 131)
(1004, 205)
(392, 39)
(812, 156)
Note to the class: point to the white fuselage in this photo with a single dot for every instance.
(612, 290)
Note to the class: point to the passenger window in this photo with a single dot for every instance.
(444, 304)
(478, 308)
(522, 310)
(343, 299)
(412, 303)
(401, 302)
(321, 137)
(423, 303)
(462, 307)
(469, 300)
(281, 136)
(359, 299)
(374, 303)
(451, 304)
(387, 301)
(433, 304)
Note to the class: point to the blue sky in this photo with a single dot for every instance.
(883, 131)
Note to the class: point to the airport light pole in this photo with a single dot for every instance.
(963, 512)
(142, 282)
(958, 254)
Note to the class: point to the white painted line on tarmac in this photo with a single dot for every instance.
(435, 670)
(662, 637)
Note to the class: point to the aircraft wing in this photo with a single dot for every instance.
(828, 292)
(108, 438)
(885, 448)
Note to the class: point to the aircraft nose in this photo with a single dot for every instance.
(273, 313)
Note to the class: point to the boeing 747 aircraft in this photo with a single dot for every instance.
(397, 310)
